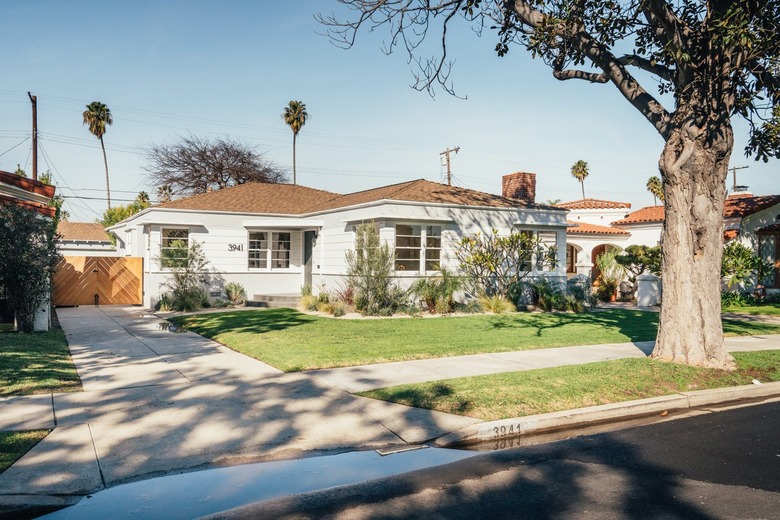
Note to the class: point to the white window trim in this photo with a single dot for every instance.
(162, 237)
(421, 271)
(269, 251)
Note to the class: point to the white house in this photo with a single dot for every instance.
(594, 228)
(84, 239)
(275, 238)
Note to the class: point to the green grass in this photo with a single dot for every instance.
(517, 394)
(292, 341)
(771, 309)
(15, 444)
(36, 363)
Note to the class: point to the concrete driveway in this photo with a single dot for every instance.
(156, 401)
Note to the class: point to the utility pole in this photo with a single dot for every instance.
(446, 154)
(734, 176)
(34, 101)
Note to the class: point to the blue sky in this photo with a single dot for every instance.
(214, 69)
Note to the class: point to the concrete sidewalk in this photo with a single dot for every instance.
(369, 377)
(155, 401)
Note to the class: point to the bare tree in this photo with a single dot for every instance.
(718, 58)
(195, 165)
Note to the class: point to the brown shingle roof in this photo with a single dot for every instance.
(91, 231)
(583, 228)
(280, 199)
(644, 215)
(288, 199)
(594, 204)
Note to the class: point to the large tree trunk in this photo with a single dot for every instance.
(694, 165)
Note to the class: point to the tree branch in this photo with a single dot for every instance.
(611, 66)
(647, 65)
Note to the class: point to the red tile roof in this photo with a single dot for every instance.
(86, 231)
(644, 215)
(288, 199)
(594, 204)
(33, 187)
(742, 206)
(583, 228)
(730, 234)
(735, 206)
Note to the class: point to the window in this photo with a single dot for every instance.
(544, 239)
(571, 259)
(417, 247)
(174, 247)
(258, 250)
(269, 249)
(769, 251)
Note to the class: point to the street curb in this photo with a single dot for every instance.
(614, 412)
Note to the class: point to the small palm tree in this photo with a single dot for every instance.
(97, 116)
(579, 171)
(295, 116)
(655, 187)
(164, 193)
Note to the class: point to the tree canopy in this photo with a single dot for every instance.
(709, 60)
(195, 165)
(98, 118)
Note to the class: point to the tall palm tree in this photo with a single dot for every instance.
(655, 187)
(579, 171)
(295, 116)
(96, 117)
(164, 193)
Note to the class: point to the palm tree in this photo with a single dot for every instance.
(97, 116)
(164, 193)
(295, 116)
(655, 187)
(579, 171)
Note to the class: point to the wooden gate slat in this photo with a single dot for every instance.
(116, 280)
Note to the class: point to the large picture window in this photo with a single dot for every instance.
(769, 251)
(269, 249)
(417, 248)
(174, 247)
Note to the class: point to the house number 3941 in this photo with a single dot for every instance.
(235, 247)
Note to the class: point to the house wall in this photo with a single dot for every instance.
(224, 241)
(86, 248)
(598, 217)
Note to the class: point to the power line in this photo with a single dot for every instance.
(19, 144)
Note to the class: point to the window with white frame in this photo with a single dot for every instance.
(545, 239)
(174, 246)
(269, 249)
(417, 247)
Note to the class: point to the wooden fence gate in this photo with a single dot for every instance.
(114, 280)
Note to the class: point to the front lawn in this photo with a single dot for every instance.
(517, 394)
(771, 309)
(293, 341)
(35, 363)
(15, 444)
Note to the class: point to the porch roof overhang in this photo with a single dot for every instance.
(294, 224)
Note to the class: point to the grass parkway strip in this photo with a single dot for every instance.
(292, 341)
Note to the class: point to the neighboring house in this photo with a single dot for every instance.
(590, 233)
(753, 220)
(84, 239)
(275, 238)
(34, 195)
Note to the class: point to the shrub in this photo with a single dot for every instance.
(370, 268)
(219, 304)
(437, 292)
(612, 273)
(339, 310)
(188, 275)
(165, 303)
(306, 290)
(235, 293)
(549, 296)
(495, 304)
(345, 294)
(308, 303)
(742, 266)
(736, 299)
(323, 297)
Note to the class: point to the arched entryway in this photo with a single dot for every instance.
(597, 252)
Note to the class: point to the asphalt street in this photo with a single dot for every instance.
(715, 465)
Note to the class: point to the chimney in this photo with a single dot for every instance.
(520, 185)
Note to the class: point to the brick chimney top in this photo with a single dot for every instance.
(520, 185)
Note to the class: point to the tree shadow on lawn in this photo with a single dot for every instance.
(427, 398)
(256, 322)
(635, 325)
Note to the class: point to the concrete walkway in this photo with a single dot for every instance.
(156, 401)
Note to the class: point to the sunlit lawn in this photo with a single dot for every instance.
(517, 394)
(293, 341)
(15, 444)
(771, 309)
(35, 363)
